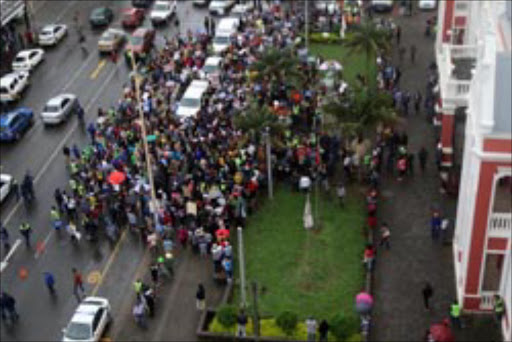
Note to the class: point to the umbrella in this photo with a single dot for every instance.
(116, 178)
(441, 333)
(222, 233)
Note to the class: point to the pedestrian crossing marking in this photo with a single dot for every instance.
(96, 71)
(94, 277)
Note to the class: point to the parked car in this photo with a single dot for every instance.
(427, 4)
(141, 3)
(89, 321)
(200, 3)
(59, 108)
(111, 40)
(132, 17)
(101, 16)
(220, 7)
(15, 123)
(26, 60)
(162, 12)
(141, 40)
(52, 34)
(12, 85)
(5, 185)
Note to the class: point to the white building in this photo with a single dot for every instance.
(473, 53)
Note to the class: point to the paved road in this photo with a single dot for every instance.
(413, 259)
(66, 69)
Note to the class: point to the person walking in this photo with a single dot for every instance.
(311, 327)
(8, 304)
(323, 330)
(26, 231)
(499, 308)
(78, 285)
(4, 238)
(435, 226)
(413, 53)
(427, 293)
(385, 235)
(49, 281)
(200, 297)
(241, 321)
(455, 314)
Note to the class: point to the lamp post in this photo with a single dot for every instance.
(144, 138)
(269, 164)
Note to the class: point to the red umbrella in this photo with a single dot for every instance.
(116, 178)
(441, 332)
(222, 233)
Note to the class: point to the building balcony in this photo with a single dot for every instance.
(455, 65)
(500, 225)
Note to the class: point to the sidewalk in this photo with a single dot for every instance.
(400, 273)
(176, 317)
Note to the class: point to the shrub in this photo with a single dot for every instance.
(227, 315)
(287, 321)
(343, 326)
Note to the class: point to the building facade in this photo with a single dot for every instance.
(473, 53)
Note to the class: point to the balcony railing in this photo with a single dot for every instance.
(500, 224)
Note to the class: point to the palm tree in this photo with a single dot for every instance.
(360, 112)
(368, 39)
(278, 66)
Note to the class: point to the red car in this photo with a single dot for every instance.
(141, 40)
(132, 17)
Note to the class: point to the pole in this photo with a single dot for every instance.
(269, 165)
(306, 3)
(242, 266)
(144, 137)
(255, 317)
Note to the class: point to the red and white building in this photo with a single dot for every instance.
(476, 35)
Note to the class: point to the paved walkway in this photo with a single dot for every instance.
(400, 273)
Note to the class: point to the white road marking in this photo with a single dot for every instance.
(63, 142)
(5, 262)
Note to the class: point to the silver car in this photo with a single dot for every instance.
(59, 108)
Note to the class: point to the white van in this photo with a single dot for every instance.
(190, 103)
(382, 5)
(11, 85)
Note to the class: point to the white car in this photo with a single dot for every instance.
(59, 108)
(89, 321)
(52, 34)
(26, 60)
(220, 7)
(12, 85)
(5, 185)
(163, 11)
(427, 4)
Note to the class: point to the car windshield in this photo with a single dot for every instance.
(209, 68)
(161, 7)
(221, 40)
(137, 40)
(51, 109)
(189, 102)
(78, 331)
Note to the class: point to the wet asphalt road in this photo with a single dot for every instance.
(66, 70)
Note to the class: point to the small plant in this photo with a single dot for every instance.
(227, 316)
(287, 321)
(343, 326)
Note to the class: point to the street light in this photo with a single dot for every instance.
(144, 137)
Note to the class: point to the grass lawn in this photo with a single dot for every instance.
(316, 272)
(352, 64)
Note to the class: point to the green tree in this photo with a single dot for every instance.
(368, 40)
(360, 111)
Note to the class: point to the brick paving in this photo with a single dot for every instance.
(400, 273)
